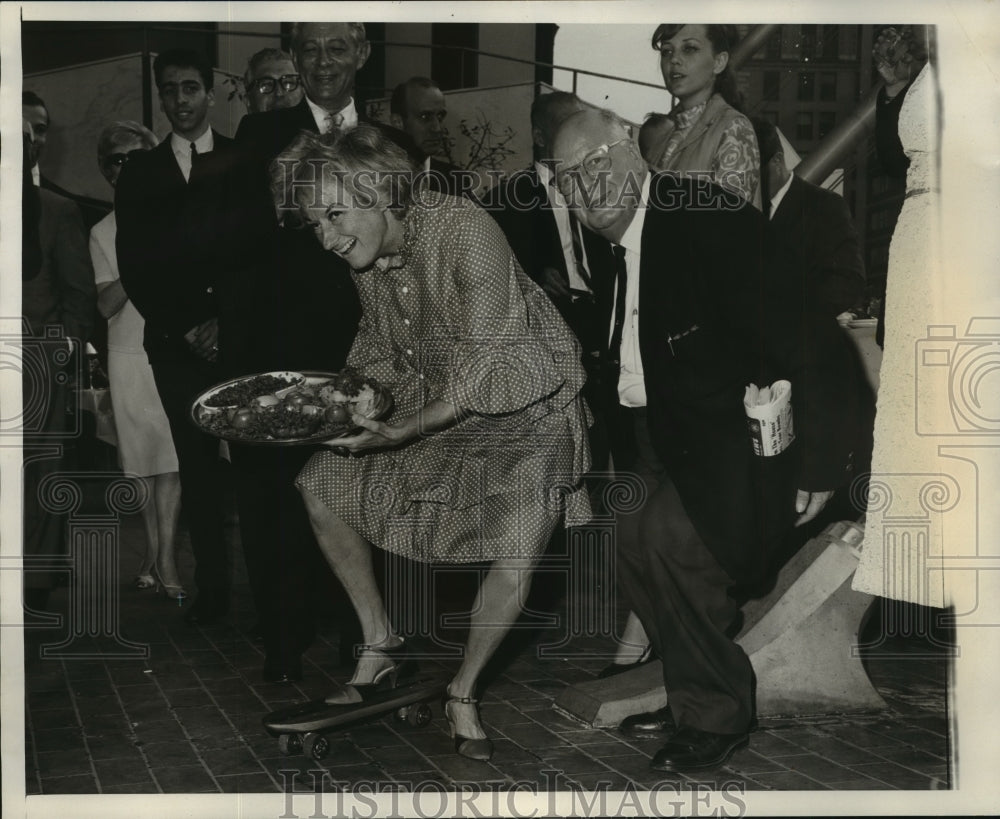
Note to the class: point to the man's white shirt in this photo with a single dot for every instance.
(182, 149)
(631, 386)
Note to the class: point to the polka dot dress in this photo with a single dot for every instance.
(454, 318)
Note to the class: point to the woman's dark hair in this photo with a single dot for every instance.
(722, 38)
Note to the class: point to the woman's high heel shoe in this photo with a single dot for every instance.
(481, 749)
(173, 592)
(620, 668)
(402, 666)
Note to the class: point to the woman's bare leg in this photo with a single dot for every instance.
(350, 557)
(149, 524)
(499, 602)
(167, 500)
(633, 643)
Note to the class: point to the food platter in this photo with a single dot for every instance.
(289, 408)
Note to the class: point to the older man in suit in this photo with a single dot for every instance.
(691, 260)
(178, 253)
(271, 81)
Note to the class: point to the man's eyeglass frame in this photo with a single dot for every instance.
(268, 85)
(592, 164)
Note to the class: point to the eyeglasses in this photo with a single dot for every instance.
(592, 164)
(115, 160)
(267, 85)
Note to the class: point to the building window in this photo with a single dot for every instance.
(830, 46)
(451, 66)
(772, 86)
(804, 125)
(828, 86)
(807, 42)
(827, 119)
(807, 86)
(848, 43)
(774, 45)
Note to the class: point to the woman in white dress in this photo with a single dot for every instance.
(144, 443)
(915, 287)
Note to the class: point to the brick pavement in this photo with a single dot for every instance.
(188, 718)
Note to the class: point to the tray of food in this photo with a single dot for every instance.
(289, 408)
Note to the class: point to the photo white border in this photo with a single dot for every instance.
(969, 76)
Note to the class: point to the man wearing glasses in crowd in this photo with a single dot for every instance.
(271, 81)
(716, 319)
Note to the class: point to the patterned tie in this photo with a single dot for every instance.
(333, 122)
(621, 276)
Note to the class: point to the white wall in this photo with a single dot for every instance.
(620, 50)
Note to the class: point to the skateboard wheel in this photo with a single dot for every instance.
(419, 715)
(315, 745)
(289, 744)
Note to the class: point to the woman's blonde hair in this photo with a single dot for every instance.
(371, 166)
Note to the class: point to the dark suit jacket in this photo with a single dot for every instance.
(262, 136)
(814, 237)
(62, 293)
(306, 310)
(520, 205)
(707, 268)
(181, 245)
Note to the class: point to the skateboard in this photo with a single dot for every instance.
(300, 727)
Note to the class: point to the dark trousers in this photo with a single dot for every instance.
(286, 569)
(179, 380)
(681, 595)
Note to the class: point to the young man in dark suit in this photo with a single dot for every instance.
(692, 264)
(811, 228)
(178, 255)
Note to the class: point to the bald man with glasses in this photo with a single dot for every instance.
(696, 315)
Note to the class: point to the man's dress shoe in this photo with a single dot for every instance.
(649, 723)
(692, 750)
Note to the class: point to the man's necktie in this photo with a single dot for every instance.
(574, 229)
(334, 122)
(614, 349)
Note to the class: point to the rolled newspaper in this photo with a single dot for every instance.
(769, 417)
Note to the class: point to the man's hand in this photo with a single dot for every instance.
(554, 284)
(204, 340)
(810, 504)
